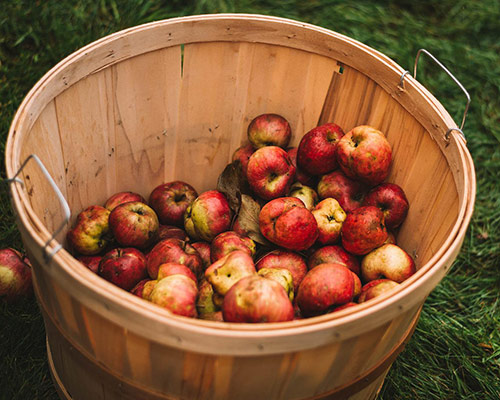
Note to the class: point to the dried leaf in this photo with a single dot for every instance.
(248, 219)
(231, 182)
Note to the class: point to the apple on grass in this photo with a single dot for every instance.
(287, 223)
(325, 286)
(124, 267)
(365, 154)
(134, 224)
(176, 251)
(229, 241)
(334, 254)
(89, 235)
(207, 216)
(391, 199)
(269, 130)
(270, 172)
(329, 217)
(363, 230)
(15, 276)
(256, 299)
(122, 197)
(388, 261)
(283, 259)
(170, 201)
(316, 153)
(348, 192)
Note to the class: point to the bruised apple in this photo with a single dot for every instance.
(391, 199)
(122, 197)
(334, 254)
(171, 268)
(363, 230)
(176, 293)
(89, 234)
(280, 275)
(348, 192)
(15, 276)
(329, 217)
(283, 259)
(269, 130)
(376, 288)
(388, 261)
(229, 241)
(305, 193)
(123, 267)
(257, 299)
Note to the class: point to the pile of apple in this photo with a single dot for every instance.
(288, 233)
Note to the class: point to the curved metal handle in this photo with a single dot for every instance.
(67, 212)
(451, 76)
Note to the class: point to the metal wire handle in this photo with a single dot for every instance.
(67, 212)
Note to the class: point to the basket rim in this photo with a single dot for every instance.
(431, 272)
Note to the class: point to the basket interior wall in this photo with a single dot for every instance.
(180, 112)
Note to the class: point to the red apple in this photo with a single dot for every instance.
(348, 192)
(325, 286)
(330, 217)
(15, 276)
(89, 234)
(207, 216)
(305, 193)
(172, 232)
(270, 172)
(257, 299)
(291, 261)
(176, 293)
(391, 199)
(301, 176)
(171, 268)
(138, 289)
(269, 130)
(123, 267)
(170, 201)
(134, 224)
(363, 230)
(316, 154)
(344, 306)
(365, 154)
(203, 249)
(229, 241)
(388, 261)
(334, 254)
(376, 288)
(287, 223)
(176, 251)
(229, 269)
(91, 262)
(122, 197)
(242, 154)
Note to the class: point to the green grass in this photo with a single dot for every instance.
(455, 352)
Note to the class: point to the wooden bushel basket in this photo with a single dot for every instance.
(172, 100)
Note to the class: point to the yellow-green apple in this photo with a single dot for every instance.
(316, 154)
(171, 268)
(226, 242)
(203, 249)
(363, 230)
(228, 270)
(282, 276)
(148, 289)
(391, 199)
(365, 154)
(124, 267)
(270, 172)
(348, 192)
(122, 197)
(305, 193)
(287, 223)
(256, 299)
(176, 293)
(387, 261)
(301, 176)
(283, 259)
(207, 216)
(334, 254)
(391, 237)
(15, 276)
(329, 217)
(325, 286)
(172, 232)
(134, 224)
(357, 286)
(376, 288)
(170, 201)
(269, 130)
(89, 235)
(205, 303)
(176, 251)
(242, 154)
(91, 262)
